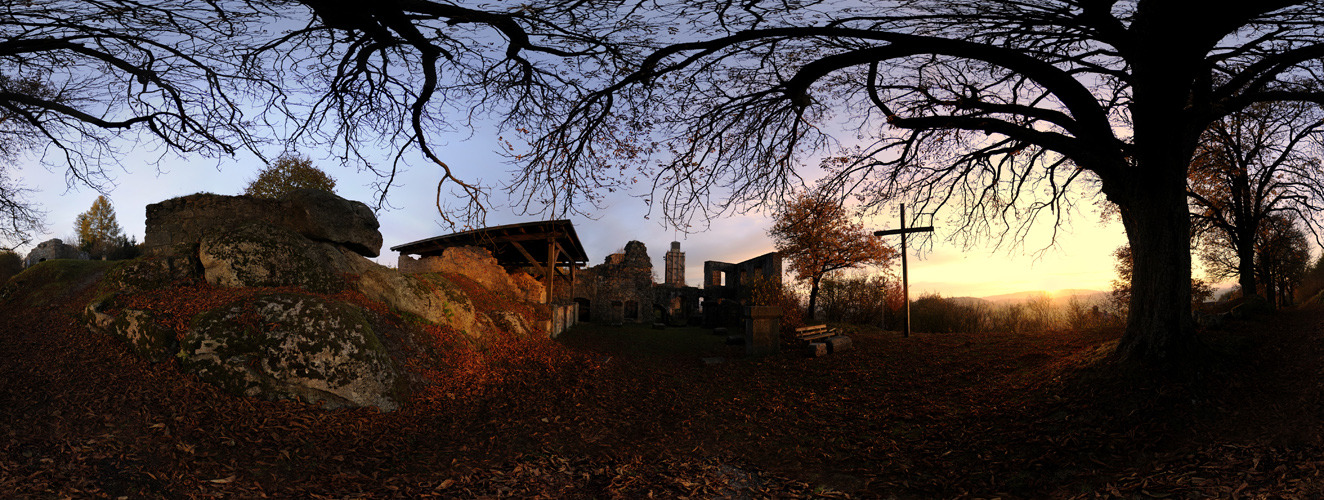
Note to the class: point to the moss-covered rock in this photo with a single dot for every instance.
(430, 296)
(292, 346)
(151, 273)
(146, 337)
(264, 255)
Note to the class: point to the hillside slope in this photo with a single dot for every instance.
(599, 414)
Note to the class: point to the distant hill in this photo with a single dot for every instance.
(1059, 297)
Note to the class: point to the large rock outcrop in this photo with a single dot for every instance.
(284, 345)
(260, 254)
(479, 265)
(313, 339)
(317, 215)
(147, 338)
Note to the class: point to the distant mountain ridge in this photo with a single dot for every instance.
(1059, 297)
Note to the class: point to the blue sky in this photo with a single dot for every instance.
(1082, 258)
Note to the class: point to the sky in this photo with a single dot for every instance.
(1082, 258)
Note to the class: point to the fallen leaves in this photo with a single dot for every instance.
(933, 416)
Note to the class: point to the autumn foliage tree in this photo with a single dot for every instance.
(98, 230)
(286, 174)
(817, 235)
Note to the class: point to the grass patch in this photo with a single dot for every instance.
(51, 280)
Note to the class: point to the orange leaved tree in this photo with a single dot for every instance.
(817, 235)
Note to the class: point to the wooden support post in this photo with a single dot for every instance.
(549, 278)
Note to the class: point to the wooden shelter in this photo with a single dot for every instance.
(550, 246)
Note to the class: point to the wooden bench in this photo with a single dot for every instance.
(814, 332)
(819, 340)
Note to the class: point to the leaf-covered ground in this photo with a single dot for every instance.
(633, 412)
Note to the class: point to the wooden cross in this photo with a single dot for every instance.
(905, 279)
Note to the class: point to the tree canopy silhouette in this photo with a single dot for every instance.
(1003, 111)
(1255, 172)
(377, 82)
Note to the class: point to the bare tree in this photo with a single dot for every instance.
(1250, 168)
(76, 77)
(404, 72)
(1003, 110)
(79, 81)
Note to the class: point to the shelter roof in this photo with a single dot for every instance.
(506, 242)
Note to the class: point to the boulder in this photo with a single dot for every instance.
(146, 337)
(837, 344)
(430, 297)
(530, 289)
(323, 216)
(264, 255)
(285, 346)
(151, 273)
(816, 349)
(476, 263)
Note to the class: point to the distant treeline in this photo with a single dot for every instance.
(933, 313)
(876, 300)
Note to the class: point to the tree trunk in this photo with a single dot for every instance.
(1246, 267)
(1159, 329)
(813, 298)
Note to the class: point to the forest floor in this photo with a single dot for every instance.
(631, 412)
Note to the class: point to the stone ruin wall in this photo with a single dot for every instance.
(621, 280)
(53, 249)
(187, 219)
(317, 215)
(721, 303)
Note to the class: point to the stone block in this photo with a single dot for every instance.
(837, 344)
(763, 330)
(816, 349)
(659, 326)
(735, 340)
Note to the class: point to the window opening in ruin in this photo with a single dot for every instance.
(722, 278)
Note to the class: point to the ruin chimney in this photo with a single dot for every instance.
(675, 260)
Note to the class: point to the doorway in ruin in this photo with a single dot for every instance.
(617, 312)
(631, 310)
(585, 314)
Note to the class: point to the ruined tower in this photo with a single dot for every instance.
(675, 266)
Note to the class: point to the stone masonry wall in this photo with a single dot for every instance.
(317, 215)
(187, 219)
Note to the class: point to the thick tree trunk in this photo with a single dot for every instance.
(1159, 329)
(1246, 267)
(813, 299)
